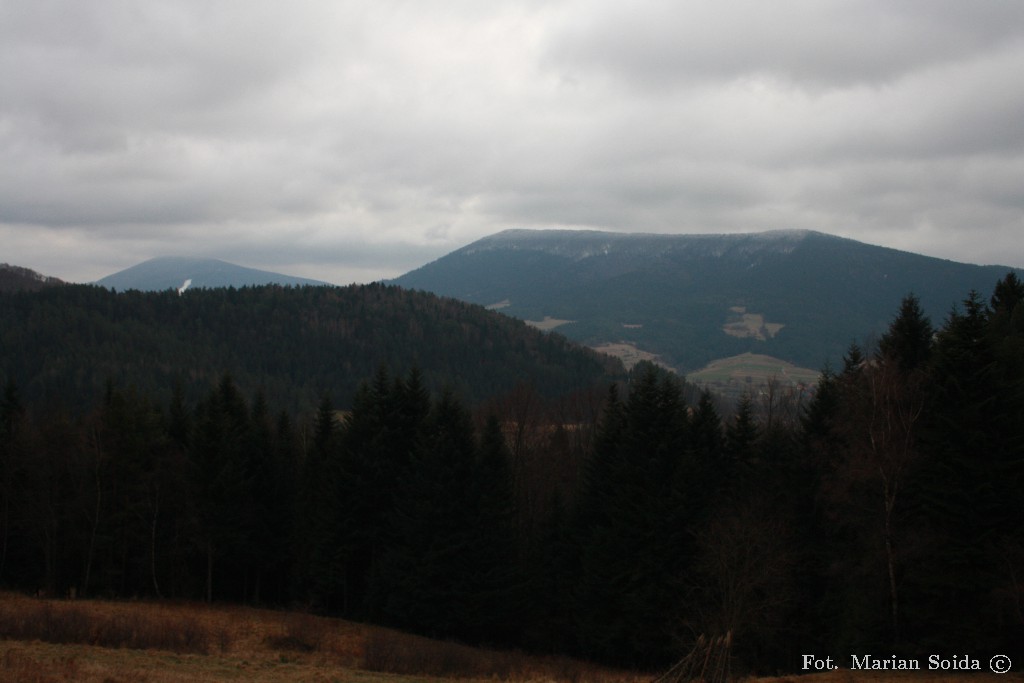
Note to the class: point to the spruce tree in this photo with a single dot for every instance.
(378, 442)
(909, 338)
(973, 476)
(634, 535)
(12, 446)
(499, 603)
(448, 568)
(322, 547)
(222, 488)
(741, 448)
(820, 413)
(272, 473)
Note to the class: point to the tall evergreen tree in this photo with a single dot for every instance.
(121, 495)
(448, 567)
(498, 580)
(741, 448)
(272, 468)
(633, 544)
(222, 488)
(819, 416)
(909, 338)
(971, 492)
(12, 447)
(1007, 295)
(707, 438)
(322, 543)
(379, 438)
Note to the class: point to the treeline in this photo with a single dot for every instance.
(882, 515)
(62, 344)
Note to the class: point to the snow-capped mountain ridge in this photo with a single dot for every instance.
(583, 244)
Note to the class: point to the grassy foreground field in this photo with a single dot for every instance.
(45, 641)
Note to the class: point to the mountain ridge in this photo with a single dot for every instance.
(688, 298)
(602, 243)
(780, 239)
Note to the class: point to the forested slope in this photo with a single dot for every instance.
(16, 278)
(881, 515)
(61, 345)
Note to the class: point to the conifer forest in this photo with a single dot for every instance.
(613, 519)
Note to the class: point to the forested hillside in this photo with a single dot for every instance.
(16, 278)
(62, 345)
(880, 516)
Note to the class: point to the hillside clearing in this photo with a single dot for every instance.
(548, 323)
(630, 355)
(751, 369)
(746, 325)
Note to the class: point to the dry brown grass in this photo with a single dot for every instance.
(46, 641)
(402, 653)
(67, 623)
(134, 642)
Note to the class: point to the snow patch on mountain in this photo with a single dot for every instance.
(578, 245)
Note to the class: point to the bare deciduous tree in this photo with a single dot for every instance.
(744, 572)
(883, 406)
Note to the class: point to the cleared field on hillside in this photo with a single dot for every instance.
(750, 325)
(629, 354)
(548, 323)
(752, 369)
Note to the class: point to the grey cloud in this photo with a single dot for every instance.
(357, 137)
(820, 43)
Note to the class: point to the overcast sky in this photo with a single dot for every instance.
(351, 141)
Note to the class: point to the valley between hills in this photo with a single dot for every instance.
(389, 455)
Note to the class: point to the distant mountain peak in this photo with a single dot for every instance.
(182, 272)
(798, 295)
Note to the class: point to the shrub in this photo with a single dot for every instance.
(393, 652)
(64, 624)
(302, 633)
